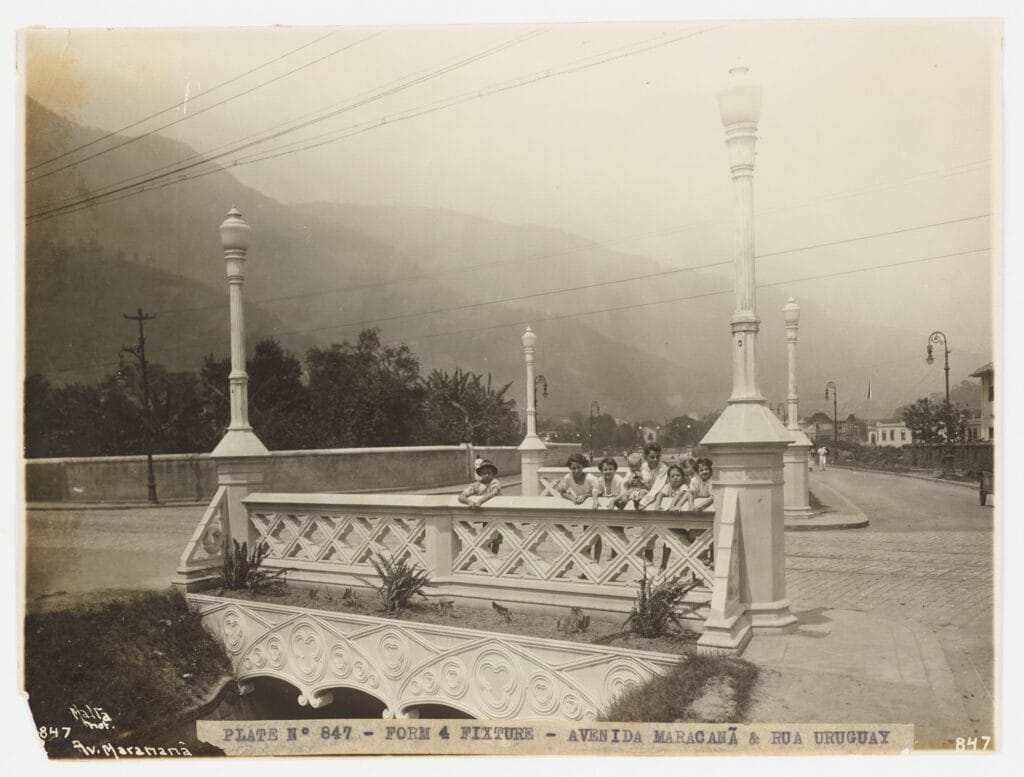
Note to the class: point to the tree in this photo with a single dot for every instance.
(364, 394)
(931, 422)
(462, 407)
(277, 396)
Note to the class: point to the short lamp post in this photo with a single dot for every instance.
(595, 410)
(532, 449)
(795, 463)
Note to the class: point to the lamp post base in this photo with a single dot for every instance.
(727, 636)
(795, 491)
(238, 443)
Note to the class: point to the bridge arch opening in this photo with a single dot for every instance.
(437, 712)
(274, 699)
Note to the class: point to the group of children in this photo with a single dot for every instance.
(649, 483)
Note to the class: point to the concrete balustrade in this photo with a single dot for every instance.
(532, 550)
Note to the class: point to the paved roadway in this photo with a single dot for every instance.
(71, 551)
(925, 562)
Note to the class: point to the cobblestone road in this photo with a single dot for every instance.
(927, 557)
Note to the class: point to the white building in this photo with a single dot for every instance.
(890, 434)
(985, 426)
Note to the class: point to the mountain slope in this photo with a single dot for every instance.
(318, 272)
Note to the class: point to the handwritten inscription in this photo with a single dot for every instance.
(91, 717)
(109, 750)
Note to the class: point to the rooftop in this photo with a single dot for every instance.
(986, 370)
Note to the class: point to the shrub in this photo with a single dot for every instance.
(242, 568)
(400, 581)
(656, 604)
(669, 697)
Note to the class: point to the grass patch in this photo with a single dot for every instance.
(141, 656)
(701, 688)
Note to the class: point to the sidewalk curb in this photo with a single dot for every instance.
(851, 517)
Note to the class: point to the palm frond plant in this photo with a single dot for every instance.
(657, 604)
(242, 568)
(399, 581)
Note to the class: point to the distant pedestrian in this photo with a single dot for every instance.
(822, 458)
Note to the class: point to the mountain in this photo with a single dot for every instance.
(318, 272)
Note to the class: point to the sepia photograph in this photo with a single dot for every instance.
(555, 387)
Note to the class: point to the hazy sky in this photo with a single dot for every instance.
(632, 147)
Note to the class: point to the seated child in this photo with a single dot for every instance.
(634, 486)
(655, 473)
(700, 486)
(675, 494)
(577, 486)
(487, 487)
(610, 484)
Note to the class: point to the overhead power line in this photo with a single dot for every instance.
(91, 201)
(204, 154)
(618, 281)
(38, 215)
(190, 116)
(88, 366)
(538, 257)
(178, 105)
(100, 191)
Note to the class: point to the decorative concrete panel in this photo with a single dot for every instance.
(406, 664)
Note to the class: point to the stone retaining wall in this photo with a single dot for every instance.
(193, 476)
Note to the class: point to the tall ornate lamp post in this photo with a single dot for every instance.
(595, 409)
(797, 500)
(532, 448)
(240, 454)
(831, 386)
(747, 441)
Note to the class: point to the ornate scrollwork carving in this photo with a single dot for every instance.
(499, 690)
(453, 678)
(232, 631)
(307, 651)
(394, 654)
(541, 692)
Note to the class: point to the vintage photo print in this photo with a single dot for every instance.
(525, 388)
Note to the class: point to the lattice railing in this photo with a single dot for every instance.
(339, 538)
(605, 551)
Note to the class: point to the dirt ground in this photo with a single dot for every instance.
(548, 623)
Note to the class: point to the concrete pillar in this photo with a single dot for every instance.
(532, 449)
(747, 441)
(797, 501)
(241, 456)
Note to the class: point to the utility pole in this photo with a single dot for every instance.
(139, 352)
(835, 408)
